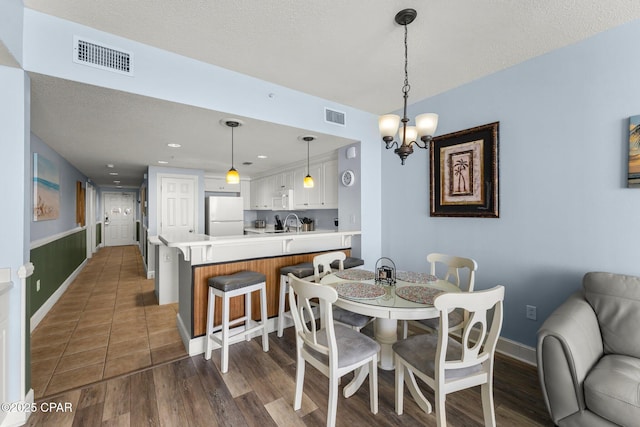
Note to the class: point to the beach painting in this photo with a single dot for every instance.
(634, 152)
(46, 189)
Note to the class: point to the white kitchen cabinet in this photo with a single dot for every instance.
(309, 198)
(220, 185)
(245, 193)
(262, 193)
(284, 181)
(330, 184)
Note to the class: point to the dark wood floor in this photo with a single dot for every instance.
(258, 391)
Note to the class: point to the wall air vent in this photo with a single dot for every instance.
(335, 117)
(102, 56)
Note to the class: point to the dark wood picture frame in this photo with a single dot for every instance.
(464, 173)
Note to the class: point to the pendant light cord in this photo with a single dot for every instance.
(232, 147)
(308, 157)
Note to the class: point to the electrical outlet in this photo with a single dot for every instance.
(531, 312)
(38, 285)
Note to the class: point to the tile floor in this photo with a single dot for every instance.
(107, 323)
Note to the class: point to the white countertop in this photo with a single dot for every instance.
(200, 248)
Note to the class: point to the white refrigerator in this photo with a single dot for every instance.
(224, 216)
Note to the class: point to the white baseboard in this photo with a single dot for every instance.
(19, 418)
(48, 305)
(518, 351)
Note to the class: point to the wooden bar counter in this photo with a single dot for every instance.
(200, 257)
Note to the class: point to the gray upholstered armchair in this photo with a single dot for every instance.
(589, 354)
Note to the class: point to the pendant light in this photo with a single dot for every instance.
(233, 177)
(425, 123)
(308, 180)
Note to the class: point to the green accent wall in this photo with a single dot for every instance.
(53, 263)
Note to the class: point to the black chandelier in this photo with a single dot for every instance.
(425, 123)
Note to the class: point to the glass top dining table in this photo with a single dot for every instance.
(411, 298)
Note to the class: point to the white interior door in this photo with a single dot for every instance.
(119, 217)
(177, 204)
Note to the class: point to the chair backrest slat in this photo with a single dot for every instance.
(324, 261)
(301, 292)
(454, 264)
(479, 339)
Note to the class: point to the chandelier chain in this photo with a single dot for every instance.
(406, 87)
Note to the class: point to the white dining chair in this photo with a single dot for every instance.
(333, 349)
(447, 365)
(453, 267)
(322, 267)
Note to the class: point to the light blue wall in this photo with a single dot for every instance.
(11, 13)
(14, 215)
(564, 205)
(68, 176)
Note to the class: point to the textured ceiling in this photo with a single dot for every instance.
(345, 51)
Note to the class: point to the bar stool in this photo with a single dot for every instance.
(349, 262)
(226, 287)
(301, 271)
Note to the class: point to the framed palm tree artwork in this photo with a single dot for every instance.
(464, 173)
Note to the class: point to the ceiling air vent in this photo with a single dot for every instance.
(102, 56)
(333, 116)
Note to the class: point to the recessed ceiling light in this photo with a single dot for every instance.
(262, 156)
(173, 145)
(110, 166)
(118, 186)
(163, 162)
(116, 182)
(113, 173)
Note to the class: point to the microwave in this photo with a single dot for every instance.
(284, 202)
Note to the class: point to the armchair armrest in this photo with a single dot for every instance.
(569, 345)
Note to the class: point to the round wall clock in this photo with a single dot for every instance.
(348, 178)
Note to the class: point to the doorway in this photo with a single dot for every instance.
(119, 219)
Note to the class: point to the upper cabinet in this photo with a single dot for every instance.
(324, 194)
(220, 185)
(262, 192)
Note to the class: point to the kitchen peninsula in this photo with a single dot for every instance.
(201, 257)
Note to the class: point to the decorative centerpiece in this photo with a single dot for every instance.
(385, 271)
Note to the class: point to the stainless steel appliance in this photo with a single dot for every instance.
(224, 216)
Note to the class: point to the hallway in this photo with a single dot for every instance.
(107, 323)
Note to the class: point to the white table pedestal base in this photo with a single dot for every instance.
(386, 334)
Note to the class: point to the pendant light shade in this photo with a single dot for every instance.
(390, 124)
(308, 180)
(233, 177)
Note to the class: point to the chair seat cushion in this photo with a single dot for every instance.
(456, 317)
(237, 280)
(611, 389)
(352, 346)
(420, 352)
(350, 262)
(350, 318)
(301, 270)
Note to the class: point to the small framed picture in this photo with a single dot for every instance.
(464, 173)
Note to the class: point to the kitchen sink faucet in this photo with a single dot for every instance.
(286, 222)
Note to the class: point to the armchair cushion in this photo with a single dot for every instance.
(611, 389)
(616, 300)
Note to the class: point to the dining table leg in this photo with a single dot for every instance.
(386, 334)
(358, 378)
